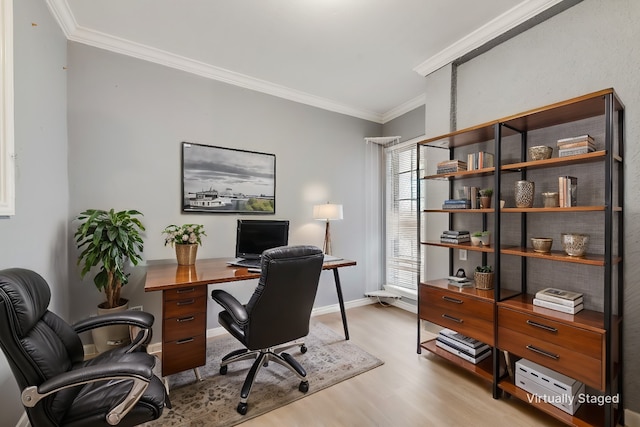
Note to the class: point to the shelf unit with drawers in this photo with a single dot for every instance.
(585, 346)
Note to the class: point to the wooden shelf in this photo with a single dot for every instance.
(483, 369)
(556, 161)
(587, 415)
(485, 294)
(463, 174)
(468, 211)
(467, 245)
(588, 259)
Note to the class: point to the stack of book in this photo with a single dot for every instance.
(452, 236)
(467, 348)
(456, 204)
(479, 160)
(560, 300)
(449, 166)
(577, 145)
(568, 191)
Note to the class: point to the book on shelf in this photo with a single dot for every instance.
(461, 283)
(571, 140)
(560, 296)
(445, 239)
(580, 144)
(455, 232)
(462, 354)
(558, 307)
(575, 151)
(567, 191)
(471, 351)
(479, 160)
(456, 204)
(462, 339)
(448, 166)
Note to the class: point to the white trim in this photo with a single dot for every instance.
(404, 292)
(401, 109)
(494, 28)
(7, 153)
(631, 418)
(23, 421)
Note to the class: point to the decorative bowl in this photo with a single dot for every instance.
(475, 241)
(540, 152)
(575, 244)
(541, 244)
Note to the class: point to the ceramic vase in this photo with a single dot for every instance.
(186, 254)
(524, 194)
(113, 336)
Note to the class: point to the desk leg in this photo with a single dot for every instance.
(336, 278)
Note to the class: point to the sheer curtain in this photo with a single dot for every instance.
(402, 254)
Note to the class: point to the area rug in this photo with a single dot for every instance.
(212, 402)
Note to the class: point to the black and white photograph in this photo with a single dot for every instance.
(226, 180)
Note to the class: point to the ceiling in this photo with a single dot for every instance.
(364, 58)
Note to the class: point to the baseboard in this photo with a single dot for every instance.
(23, 421)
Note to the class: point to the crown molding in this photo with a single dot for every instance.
(515, 16)
(401, 109)
(62, 13)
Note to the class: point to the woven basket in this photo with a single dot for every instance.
(483, 280)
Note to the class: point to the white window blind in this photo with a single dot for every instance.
(402, 257)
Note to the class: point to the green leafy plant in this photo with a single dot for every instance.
(486, 192)
(480, 233)
(183, 234)
(107, 239)
(484, 269)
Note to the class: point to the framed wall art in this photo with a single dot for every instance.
(227, 180)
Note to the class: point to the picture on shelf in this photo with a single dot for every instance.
(226, 180)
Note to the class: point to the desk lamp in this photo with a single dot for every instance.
(327, 212)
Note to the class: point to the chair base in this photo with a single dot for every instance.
(262, 358)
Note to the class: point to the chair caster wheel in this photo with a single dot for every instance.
(223, 370)
(303, 349)
(304, 386)
(242, 408)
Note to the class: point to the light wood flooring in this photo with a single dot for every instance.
(410, 389)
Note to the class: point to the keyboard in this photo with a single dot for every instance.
(249, 263)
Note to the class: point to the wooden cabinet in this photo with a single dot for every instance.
(584, 346)
(184, 325)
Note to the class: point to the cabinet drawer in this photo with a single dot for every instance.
(463, 305)
(573, 338)
(470, 326)
(574, 364)
(184, 354)
(183, 293)
(184, 307)
(175, 328)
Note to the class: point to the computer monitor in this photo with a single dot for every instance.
(254, 236)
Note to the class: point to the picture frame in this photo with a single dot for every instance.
(227, 180)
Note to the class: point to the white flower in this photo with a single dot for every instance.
(185, 237)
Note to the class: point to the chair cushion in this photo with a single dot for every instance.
(29, 295)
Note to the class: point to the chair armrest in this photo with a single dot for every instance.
(237, 311)
(141, 319)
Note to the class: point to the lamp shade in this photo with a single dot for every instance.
(327, 212)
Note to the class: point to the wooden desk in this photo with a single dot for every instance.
(184, 305)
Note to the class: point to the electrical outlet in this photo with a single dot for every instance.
(136, 308)
(463, 254)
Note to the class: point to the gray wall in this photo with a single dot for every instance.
(409, 125)
(36, 237)
(592, 46)
(127, 118)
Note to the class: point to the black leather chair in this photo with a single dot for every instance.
(277, 313)
(46, 356)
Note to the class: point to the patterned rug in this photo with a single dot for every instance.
(212, 402)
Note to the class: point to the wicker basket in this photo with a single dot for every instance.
(483, 280)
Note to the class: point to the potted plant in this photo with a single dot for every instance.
(483, 276)
(481, 238)
(485, 197)
(186, 239)
(107, 240)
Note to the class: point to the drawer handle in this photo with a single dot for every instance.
(541, 326)
(184, 341)
(186, 302)
(186, 319)
(542, 352)
(454, 300)
(185, 290)
(455, 319)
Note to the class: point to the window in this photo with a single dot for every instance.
(7, 198)
(402, 254)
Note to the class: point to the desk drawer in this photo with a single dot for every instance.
(175, 328)
(468, 325)
(184, 354)
(573, 338)
(572, 363)
(454, 302)
(185, 307)
(184, 293)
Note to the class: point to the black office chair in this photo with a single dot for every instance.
(277, 313)
(45, 354)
